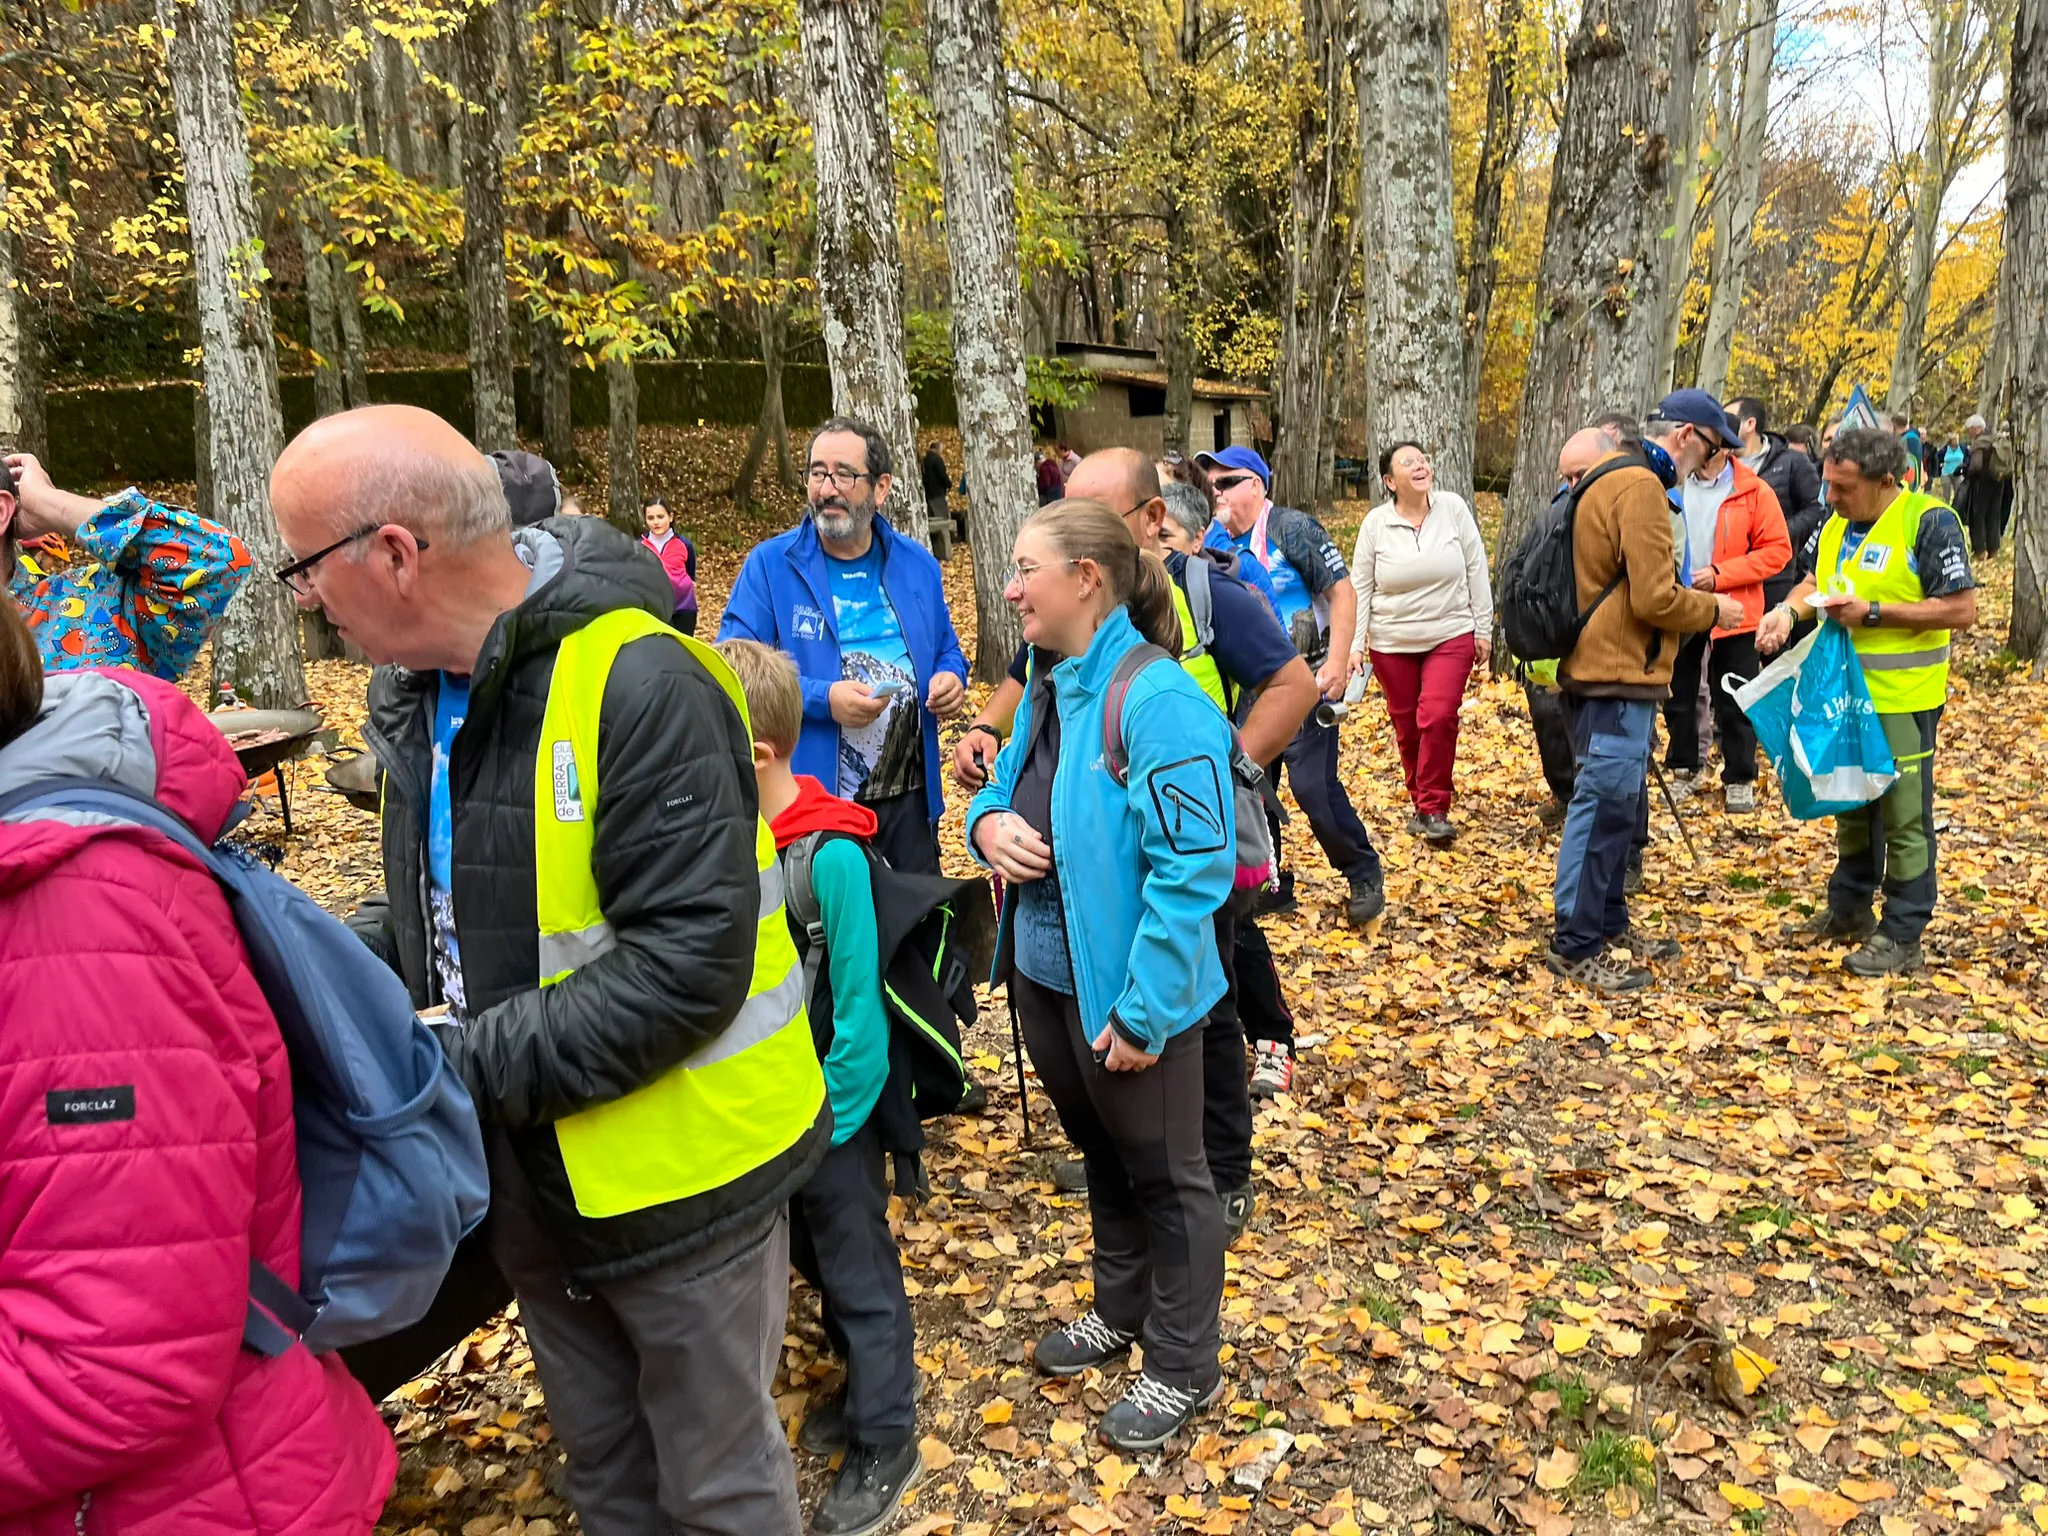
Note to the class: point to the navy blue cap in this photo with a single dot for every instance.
(1237, 458)
(1697, 408)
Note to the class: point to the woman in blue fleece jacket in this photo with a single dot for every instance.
(1108, 946)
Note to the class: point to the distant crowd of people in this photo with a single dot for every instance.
(639, 887)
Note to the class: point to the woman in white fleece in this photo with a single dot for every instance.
(1425, 613)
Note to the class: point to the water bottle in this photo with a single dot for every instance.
(1328, 714)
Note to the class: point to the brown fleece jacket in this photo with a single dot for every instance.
(1623, 524)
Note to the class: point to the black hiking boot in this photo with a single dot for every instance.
(1084, 1344)
(1152, 1412)
(871, 1483)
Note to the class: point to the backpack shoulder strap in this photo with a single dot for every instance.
(1134, 661)
(114, 802)
(1195, 575)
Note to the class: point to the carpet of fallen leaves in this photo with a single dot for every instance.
(1759, 1250)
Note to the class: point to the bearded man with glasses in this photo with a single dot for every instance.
(863, 611)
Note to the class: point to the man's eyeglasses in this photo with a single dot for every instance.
(842, 479)
(1230, 482)
(294, 575)
(1020, 573)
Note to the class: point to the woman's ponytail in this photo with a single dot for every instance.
(1151, 603)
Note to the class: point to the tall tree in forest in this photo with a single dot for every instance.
(1962, 43)
(486, 54)
(1599, 291)
(21, 374)
(1739, 180)
(973, 116)
(1691, 150)
(1319, 245)
(1181, 283)
(1414, 341)
(1500, 148)
(2026, 260)
(860, 268)
(257, 646)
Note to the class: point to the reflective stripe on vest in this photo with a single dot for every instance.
(1905, 669)
(1201, 668)
(744, 1097)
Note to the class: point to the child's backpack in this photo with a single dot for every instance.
(1257, 861)
(935, 935)
(391, 1156)
(1540, 617)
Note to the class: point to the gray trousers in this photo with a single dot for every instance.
(659, 1385)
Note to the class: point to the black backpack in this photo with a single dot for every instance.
(935, 936)
(1540, 617)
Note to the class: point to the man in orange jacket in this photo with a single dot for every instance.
(1735, 541)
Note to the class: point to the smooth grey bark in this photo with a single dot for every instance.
(486, 57)
(622, 444)
(1998, 354)
(547, 349)
(348, 304)
(1500, 147)
(2026, 258)
(1599, 289)
(1689, 149)
(771, 428)
(257, 645)
(1181, 284)
(323, 323)
(1318, 255)
(21, 374)
(1961, 63)
(859, 263)
(1414, 338)
(988, 310)
(1735, 204)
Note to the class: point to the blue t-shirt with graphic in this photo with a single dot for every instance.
(872, 650)
(451, 707)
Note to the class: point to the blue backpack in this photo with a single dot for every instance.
(391, 1156)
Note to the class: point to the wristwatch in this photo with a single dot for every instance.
(1874, 617)
(994, 735)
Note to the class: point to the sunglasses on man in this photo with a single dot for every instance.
(1230, 482)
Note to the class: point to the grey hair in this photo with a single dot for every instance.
(1188, 507)
(1876, 453)
(449, 501)
(1978, 422)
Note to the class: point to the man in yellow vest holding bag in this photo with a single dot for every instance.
(1895, 568)
(577, 869)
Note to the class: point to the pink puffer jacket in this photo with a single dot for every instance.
(146, 1154)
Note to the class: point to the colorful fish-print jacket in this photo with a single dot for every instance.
(143, 587)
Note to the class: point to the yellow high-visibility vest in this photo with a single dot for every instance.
(743, 1098)
(1907, 669)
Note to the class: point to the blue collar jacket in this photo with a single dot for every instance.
(783, 598)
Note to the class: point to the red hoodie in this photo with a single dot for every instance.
(813, 810)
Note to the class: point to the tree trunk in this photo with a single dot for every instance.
(1599, 290)
(257, 645)
(547, 348)
(323, 323)
(1688, 148)
(988, 310)
(771, 428)
(1948, 44)
(348, 304)
(486, 64)
(1414, 359)
(21, 355)
(1735, 206)
(1179, 288)
(1998, 353)
(622, 444)
(1500, 147)
(860, 268)
(2026, 257)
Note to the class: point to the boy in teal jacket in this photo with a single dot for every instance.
(839, 1235)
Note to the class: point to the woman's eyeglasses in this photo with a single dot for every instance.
(1021, 572)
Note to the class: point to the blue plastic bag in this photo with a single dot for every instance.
(1814, 720)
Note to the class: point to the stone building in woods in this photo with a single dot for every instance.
(1126, 407)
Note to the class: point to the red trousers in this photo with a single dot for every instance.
(1424, 689)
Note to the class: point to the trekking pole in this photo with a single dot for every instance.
(1017, 1045)
(1671, 800)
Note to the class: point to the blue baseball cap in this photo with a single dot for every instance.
(1237, 458)
(1697, 408)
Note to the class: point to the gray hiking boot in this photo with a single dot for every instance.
(1646, 946)
(1828, 926)
(1601, 973)
(1883, 955)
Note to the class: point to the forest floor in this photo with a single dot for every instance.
(1760, 1249)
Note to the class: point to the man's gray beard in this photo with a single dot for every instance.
(842, 527)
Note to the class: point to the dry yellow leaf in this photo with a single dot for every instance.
(1741, 1497)
(1557, 1470)
(986, 1479)
(997, 1412)
(1113, 1475)
(1570, 1338)
(1068, 1432)
(937, 1454)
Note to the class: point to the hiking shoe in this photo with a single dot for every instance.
(1070, 1176)
(1237, 1211)
(1272, 1068)
(974, 1101)
(823, 1431)
(1883, 955)
(1438, 830)
(1418, 825)
(1082, 1345)
(1552, 816)
(1368, 901)
(1644, 946)
(1828, 926)
(1632, 877)
(871, 1483)
(1682, 786)
(1740, 799)
(1151, 1413)
(1601, 973)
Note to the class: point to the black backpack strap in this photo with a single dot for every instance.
(1622, 461)
(800, 902)
(1134, 661)
(1195, 574)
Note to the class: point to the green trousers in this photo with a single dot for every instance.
(1889, 844)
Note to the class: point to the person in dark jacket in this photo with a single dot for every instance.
(1793, 478)
(1984, 494)
(579, 876)
(936, 483)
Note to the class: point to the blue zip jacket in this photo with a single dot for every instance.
(783, 598)
(1143, 868)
